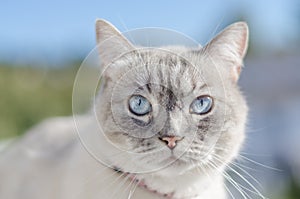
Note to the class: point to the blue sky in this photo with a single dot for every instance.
(45, 30)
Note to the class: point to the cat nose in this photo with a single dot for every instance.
(171, 141)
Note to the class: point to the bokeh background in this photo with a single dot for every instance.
(42, 44)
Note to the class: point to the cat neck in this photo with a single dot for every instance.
(191, 185)
(195, 182)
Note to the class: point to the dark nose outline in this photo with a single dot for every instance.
(171, 141)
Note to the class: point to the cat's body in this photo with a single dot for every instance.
(66, 171)
(156, 131)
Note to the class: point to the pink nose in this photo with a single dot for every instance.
(171, 141)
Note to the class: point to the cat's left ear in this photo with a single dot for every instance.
(229, 47)
(111, 43)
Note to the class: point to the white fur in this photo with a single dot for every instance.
(51, 162)
(39, 167)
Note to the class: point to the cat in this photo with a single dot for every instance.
(170, 118)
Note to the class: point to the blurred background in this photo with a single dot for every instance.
(42, 44)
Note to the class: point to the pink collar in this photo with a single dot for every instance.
(142, 184)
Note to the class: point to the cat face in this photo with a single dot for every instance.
(173, 105)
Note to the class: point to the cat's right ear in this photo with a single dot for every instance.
(111, 43)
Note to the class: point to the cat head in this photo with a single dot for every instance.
(173, 106)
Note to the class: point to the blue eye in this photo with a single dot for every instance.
(139, 105)
(201, 105)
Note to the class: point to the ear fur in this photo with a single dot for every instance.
(111, 43)
(230, 46)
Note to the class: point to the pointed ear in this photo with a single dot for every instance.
(229, 47)
(111, 43)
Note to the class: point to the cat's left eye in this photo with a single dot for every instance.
(201, 105)
(139, 105)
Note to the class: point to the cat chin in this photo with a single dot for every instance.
(169, 167)
(178, 168)
(174, 167)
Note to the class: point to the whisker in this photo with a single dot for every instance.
(255, 155)
(237, 185)
(119, 186)
(229, 192)
(260, 164)
(243, 178)
(209, 177)
(132, 183)
(259, 129)
(244, 166)
(114, 179)
(132, 190)
(243, 170)
(230, 180)
(252, 154)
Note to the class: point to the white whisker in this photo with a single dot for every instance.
(229, 192)
(132, 190)
(209, 177)
(243, 170)
(231, 181)
(118, 188)
(132, 183)
(243, 178)
(260, 164)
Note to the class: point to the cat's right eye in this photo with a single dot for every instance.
(139, 105)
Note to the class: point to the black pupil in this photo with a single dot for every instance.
(201, 102)
(140, 101)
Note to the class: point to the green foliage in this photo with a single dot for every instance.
(28, 95)
(293, 190)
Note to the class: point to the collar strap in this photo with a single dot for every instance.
(142, 184)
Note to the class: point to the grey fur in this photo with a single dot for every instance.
(51, 163)
(171, 78)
